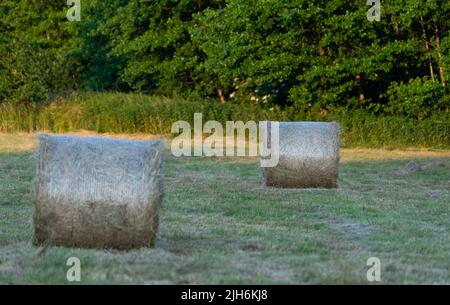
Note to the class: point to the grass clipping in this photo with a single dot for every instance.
(308, 156)
(97, 192)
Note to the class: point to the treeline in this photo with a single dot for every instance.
(309, 56)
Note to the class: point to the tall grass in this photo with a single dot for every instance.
(135, 113)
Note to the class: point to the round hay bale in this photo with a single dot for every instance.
(97, 192)
(308, 156)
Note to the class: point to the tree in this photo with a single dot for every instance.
(32, 55)
(153, 39)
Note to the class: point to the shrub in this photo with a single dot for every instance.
(417, 98)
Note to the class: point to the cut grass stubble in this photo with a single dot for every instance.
(219, 224)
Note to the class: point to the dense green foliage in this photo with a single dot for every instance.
(318, 54)
(306, 59)
(33, 47)
(136, 113)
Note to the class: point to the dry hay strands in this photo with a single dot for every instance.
(308, 156)
(97, 192)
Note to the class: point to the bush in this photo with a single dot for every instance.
(418, 98)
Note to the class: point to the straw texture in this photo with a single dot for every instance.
(308, 156)
(97, 192)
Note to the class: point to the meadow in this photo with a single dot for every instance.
(132, 68)
(220, 225)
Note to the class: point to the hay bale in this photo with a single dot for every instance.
(308, 156)
(97, 192)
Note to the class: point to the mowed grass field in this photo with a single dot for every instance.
(219, 225)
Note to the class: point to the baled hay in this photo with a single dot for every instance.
(308, 156)
(97, 192)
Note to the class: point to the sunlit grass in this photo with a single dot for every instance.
(220, 225)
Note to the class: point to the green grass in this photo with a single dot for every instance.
(221, 226)
(137, 113)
